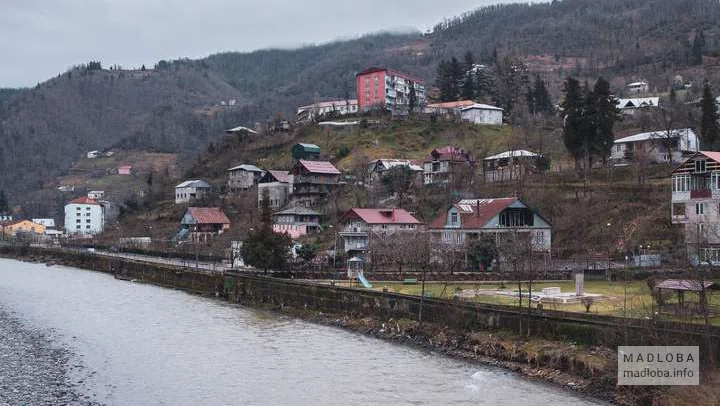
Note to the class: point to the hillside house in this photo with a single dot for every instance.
(358, 226)
(483, 114)
(191, 190)
(637, 87)
(512, 165)
(326, 109)
(204, 223)
(18, 227)
(695, 204)
(378, 167)
(308, 152)
(389, 90)
(447, 108)
(125, 170)
(655, 146)
(96, 194)
(469, 219)
(444, 163)
(84, 216)
(277, 185)
(243, 177)
(312, 181)
(630, 106)
(296, 221)
(93, 154)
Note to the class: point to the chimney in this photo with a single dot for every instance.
(477, 203)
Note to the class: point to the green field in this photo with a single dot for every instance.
(623, 299)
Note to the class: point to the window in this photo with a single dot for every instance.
(715, 181)
(453, 218)
(681, 183)
(539, 236)
(618, 148)
(77, 227)
(77, 221)
(87, 227)
(77, 208)
(87, 221)
(678, 209)
(700, 165)
(699, 208)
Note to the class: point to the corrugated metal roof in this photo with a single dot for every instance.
(475, 213)
(481, 106)
(382, 216)
(194, 183)
(309, 147)
(303, 211)
(686, 284)
(451, 105)
(323, 167)
(84, 200)
(513, 154)
(657, 135)
(390, 163)
(240, 129)
(208, 215)
(280, 176)
(246, 167)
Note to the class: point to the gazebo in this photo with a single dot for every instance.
(681, 286)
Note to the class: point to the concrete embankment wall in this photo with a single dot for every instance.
(463, 316)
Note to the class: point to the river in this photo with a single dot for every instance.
(122, 343)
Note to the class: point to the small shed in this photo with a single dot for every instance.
(125, 170)
(682, 287)
(305, 151)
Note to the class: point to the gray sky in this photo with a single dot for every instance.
(41, 38)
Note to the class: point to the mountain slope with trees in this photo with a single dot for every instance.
(176, 106)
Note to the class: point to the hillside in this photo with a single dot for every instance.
(176, 107)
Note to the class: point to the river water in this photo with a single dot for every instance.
(122, 343)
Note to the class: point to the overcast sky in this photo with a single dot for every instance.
(41, 38)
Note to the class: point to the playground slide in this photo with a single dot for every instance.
(364, 281)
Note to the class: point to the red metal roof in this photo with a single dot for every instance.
(448, 153)
(208, 215)
(715, 156)
(323, 167)
(477, 214)
(451, 105)
(84, 200)
(281, 176)
(382, 216)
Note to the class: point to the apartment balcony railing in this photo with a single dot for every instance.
(700, 194)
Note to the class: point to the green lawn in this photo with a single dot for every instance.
(629, 299)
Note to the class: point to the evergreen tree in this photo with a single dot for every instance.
(696, 51)
(412, 99)
(572, 113)
(3, 202)
(606, 114)
(456, 74)
(709, 130)
(541, 98)
(443, 81)
(264, 248)
(483, 84)
(588, 125)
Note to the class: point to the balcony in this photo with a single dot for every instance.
(700, 194)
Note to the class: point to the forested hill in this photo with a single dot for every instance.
(176, 105)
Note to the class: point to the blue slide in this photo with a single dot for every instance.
(364, 281)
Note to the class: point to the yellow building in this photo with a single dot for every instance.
(22, 226)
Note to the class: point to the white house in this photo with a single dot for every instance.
(358, 226)
(96, 194)
(243, 177)
(512, 165)
(84, 216)
(637, 87)
(46, 222)
(482, 114)
(191, 190)
(629, 106)
(695, 204)
(656, 146)
(470, 218)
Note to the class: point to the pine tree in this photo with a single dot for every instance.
(542, 102)
(696, 52)
(572, 113)
(456, 74)
(606, 114)
(3, 202)
(443, 81)
(709, 130)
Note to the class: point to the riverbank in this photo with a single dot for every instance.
(32, 370)
(587, 368)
